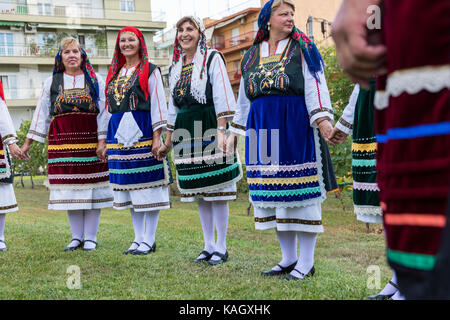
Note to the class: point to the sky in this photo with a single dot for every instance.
(175, 9)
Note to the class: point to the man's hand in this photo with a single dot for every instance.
(359, 55)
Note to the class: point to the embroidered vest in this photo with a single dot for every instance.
(124, 94)
(279, 74)
(69, 100)
(182, 92)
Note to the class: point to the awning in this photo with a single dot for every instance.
(12, 23)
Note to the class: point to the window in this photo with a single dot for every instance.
(6, 44)
(10, 86)
(235, 37)
(127, 5)
(44, 9)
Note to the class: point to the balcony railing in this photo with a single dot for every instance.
(61, 10)
(51, 51)
(234, 42)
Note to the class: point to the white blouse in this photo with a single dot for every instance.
(223, 96)
(317, 96)
(345, 123)
(7, 130)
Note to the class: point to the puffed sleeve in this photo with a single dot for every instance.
(41, 117)
(242, 109)
(158, 100)
(317, 97)
(103, 115)
(345, 123)
(224, 101)
(7, 130)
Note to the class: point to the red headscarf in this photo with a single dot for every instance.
(119, 60)
(2, 95)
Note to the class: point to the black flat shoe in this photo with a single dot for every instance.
(132, 250)
(4, 249)
(143, 253)
(206, 257)
(284, 270)
(385, 296)
(78, 246)
(294, 278)
(223, 258)
(92, 248)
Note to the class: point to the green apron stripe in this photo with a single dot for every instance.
(73, 159)
(208, 174)
(412, 260)
(284, 193)
(364, 162)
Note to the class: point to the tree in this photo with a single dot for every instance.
(38, 156)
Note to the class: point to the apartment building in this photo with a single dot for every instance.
(30, 32)
(232, 36)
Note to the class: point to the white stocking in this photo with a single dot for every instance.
(220, 213)
(151, 222)
(76, 222)
(2, 229)
(207, 221)
(138, 219)
(307, 243)
(288, 244)
(91, 223)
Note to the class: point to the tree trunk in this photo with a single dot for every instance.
(32, 182)
(21, 179)
(248, 209)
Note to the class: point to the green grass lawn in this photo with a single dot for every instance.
(35, 266)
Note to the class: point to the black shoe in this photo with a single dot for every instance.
(132, 250)
(142, 253)
(223, 258)
(206, 257)
(309, 274)
(385, 296)
(78, 246)
(92, 248)
(284, 270)
(5, 249)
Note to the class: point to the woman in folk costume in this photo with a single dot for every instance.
(201, 104)
(358, 119)
(284, 106)
(8, 140)
(71, 111)
(136, 100)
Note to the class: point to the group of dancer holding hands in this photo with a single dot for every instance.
(108, 141)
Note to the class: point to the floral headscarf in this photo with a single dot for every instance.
(119, 60)
(199, 77)
(88, 71)
(309, 49)
(2, 95)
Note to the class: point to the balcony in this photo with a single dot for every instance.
(243, 41)
(47, 9)
(44, 54)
